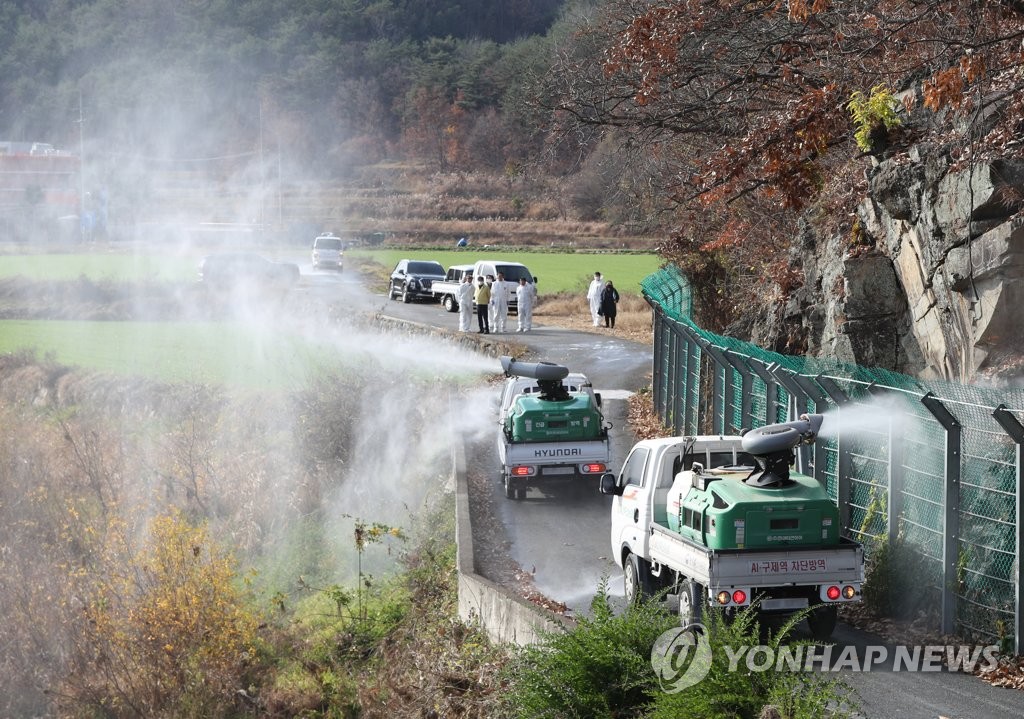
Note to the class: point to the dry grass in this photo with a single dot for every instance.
(643, 420)
(633, 322)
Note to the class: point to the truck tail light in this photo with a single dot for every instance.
(737, 596)
(522, 471)
(832, 593)
(849, 592)
(594, 468)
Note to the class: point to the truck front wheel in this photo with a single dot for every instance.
(637, 580)
(631, 580)
(691, 602)
(822, 622)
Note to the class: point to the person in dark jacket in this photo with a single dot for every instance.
(609, 302)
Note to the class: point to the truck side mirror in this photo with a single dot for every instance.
(597, 398)
(608, 486)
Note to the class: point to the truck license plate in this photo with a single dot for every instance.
(557, 470)
(785, 566)
(784, 603)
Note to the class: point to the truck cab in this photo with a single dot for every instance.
(646, 479)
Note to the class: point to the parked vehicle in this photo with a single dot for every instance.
(723, 521)
(232, 269)
(512, 271)
(413, 279)
(328, 252)
(551, 427)
(446, 291)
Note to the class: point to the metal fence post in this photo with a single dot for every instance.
(813, 392)
(950, 507)
(799, 401)
(723, 382)
(679, 357)
(659, 361)
(717, 391)
(692, 384)
(747, 386)
(670, 375)
(771, 400)
(894, 499)
(844, 466)
(1013, 428)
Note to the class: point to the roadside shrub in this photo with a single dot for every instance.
(168, 629)
(601, 668)
(745, 694)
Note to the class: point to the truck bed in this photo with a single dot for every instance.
(554, 453)
(771, 567)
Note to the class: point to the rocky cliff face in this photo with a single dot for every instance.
(931, 282)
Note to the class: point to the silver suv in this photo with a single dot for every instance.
(327, 252)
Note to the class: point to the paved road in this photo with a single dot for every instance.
(563, 533)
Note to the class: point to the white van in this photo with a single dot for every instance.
(512, 271)
(327, 252)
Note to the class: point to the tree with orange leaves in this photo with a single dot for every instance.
(747, 104)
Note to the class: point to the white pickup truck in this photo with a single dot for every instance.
(550, 427)
(720, 521)
(446, 291)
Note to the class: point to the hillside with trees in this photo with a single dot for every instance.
(734, 131)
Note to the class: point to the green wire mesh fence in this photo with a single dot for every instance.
(935, 465)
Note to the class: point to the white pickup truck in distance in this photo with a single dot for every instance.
(550, 427)
(446, 291)
(721, 521)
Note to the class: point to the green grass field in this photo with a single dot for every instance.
(558, 272)
(235, 353)
(116, 267)
(194, 352)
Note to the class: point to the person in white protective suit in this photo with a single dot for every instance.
(526, 296)
(594, 298)
(499, 302)
(464, 296)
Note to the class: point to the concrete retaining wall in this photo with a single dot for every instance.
(503, 615)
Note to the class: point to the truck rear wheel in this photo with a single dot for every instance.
(822, 622)
(511, 491)
(691, 602)
(449, 303)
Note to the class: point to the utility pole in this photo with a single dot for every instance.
(280, 210)
(263, 183)
(81, 169)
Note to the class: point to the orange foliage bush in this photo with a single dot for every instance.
(165, 626)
